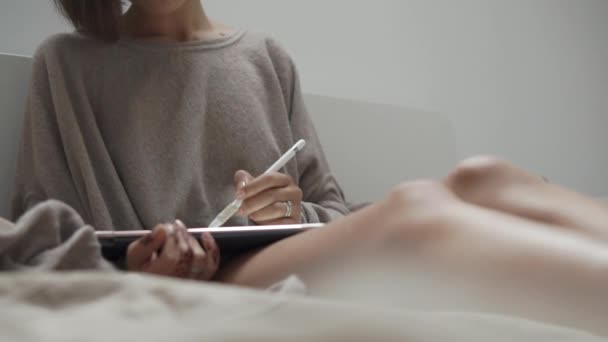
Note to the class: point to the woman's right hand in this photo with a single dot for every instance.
(169, 250)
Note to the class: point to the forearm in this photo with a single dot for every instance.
(304, 254)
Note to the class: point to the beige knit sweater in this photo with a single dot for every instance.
(132, 134)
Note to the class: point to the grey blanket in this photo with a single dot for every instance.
(117, 306)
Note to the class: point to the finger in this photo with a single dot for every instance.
(180, 224)
(241, 178)
(182, 238)
(212, 251)
(278, 222)
(211, 247)
(184, 263)
(270, 196)
(272, 212)
(142, 250)
(171, 248)
(167, 259)
(198, 267)
(265, 182)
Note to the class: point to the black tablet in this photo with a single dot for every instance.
(231, 240)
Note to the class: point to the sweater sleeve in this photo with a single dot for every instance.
(323, 199)
(42, 168)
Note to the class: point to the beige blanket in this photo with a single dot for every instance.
(120, 307)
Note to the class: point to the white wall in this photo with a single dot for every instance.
(526, 79)
(25, 23)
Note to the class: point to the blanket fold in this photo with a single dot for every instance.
(51, 236)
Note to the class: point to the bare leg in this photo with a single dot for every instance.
(517, 266)
(365, 231)
(497, 184)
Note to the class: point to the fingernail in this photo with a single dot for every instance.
(147, 239)
(170, 229)
(241, 188)
(182, 244)
(180, 223)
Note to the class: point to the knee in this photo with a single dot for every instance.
(476, 171)
(420, 193)
(413, 212)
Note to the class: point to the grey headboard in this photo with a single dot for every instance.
(373, 147)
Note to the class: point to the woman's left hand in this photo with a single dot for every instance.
(270, 199)
(170, 251)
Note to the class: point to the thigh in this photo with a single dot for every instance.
(424, 221)
(405, 211)
(511, 264)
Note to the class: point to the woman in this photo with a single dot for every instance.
(160, 114)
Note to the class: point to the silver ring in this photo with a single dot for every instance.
(288, 209)
(196, 270)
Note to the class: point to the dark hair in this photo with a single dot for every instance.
(98, 18)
